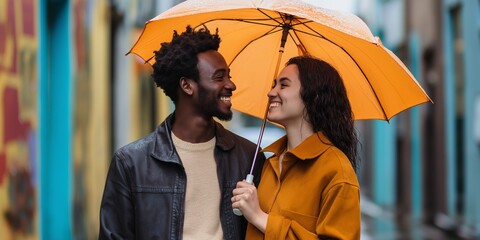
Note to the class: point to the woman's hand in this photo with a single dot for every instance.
(245, 198)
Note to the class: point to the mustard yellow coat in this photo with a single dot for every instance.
(316, 196)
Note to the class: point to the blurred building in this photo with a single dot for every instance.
(424, 164)
(70, 97)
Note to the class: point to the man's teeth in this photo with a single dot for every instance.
(226, 99)
(275, 104)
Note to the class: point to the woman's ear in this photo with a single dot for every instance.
(186, 85)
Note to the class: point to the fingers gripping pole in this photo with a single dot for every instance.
(249, 179)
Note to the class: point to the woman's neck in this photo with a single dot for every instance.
(297, 133)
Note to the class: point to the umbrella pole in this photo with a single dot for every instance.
(249, 177)
(264, 121)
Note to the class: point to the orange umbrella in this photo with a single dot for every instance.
(259, 36)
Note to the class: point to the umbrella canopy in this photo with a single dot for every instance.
(259, 36)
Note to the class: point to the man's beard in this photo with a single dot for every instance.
(211, 105)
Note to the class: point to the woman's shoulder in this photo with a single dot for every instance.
(337, 165)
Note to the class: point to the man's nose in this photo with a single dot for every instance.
(230, 85)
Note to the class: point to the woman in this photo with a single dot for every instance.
(309, 189)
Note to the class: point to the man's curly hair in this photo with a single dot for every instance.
(178, 58)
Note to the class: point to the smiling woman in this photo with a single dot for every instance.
(309, 188)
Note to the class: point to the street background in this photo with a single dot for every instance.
(70, 97)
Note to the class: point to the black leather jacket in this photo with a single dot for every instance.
(144, 196)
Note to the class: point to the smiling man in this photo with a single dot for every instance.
(176, 183)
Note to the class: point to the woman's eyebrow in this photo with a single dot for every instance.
(283, 79)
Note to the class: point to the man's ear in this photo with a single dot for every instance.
(186, 85)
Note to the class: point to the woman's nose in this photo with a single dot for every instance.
(272, 92)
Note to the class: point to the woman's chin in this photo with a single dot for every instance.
(274, 120)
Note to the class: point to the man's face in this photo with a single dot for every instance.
(214, 85)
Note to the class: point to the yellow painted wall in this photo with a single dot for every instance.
(91, 141)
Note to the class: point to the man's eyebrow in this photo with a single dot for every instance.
(222, 70)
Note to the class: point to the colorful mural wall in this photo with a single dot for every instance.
(18, 120)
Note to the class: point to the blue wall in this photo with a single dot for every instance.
(55, 119)
(416, 132)
(471, 38)
(384, 163)
(450, 131)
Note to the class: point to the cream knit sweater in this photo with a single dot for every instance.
(202, 204)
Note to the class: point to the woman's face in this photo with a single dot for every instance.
(285, 104)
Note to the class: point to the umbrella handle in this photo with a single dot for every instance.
(249, 179)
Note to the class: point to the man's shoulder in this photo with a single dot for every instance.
(239, 139)
(138, 146)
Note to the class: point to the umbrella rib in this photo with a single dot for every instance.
(271, 31)
(301, 23)
(304, 49)
(353, 59)
(284, 20)
(252, 21)
(271, 18)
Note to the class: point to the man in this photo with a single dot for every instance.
(177, 182)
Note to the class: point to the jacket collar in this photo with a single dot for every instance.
(165, 150)
(310, 148)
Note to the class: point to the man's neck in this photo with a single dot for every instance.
(194, 129)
